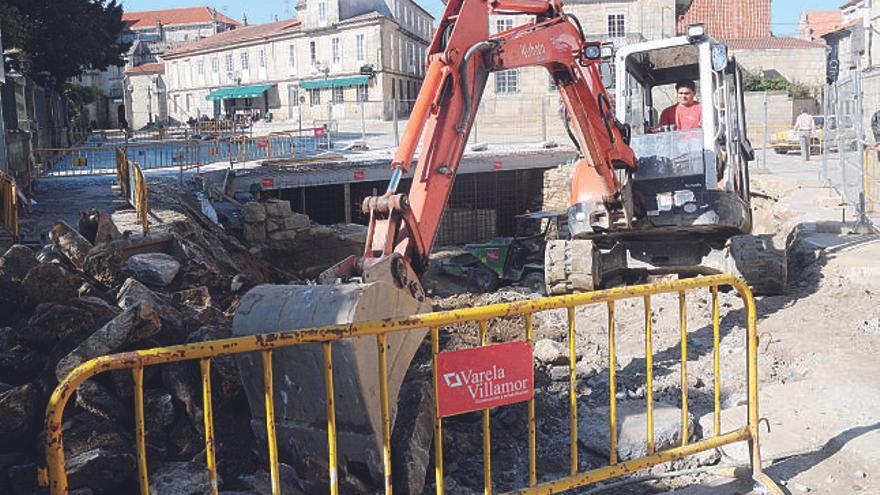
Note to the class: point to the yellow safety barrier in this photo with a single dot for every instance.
(122, 172)
(871, 178)
(9, 204)
(56, 478)
(137, 194)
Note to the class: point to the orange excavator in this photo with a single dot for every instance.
(385, 281)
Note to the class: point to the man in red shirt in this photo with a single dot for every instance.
(686, 114)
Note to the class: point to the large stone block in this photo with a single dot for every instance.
(254, 212)
(278, 208)
(594, 431)
(255, 233)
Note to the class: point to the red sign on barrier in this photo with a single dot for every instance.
(359, 175)
(263, 143)
(484, 377)
(496, 165)
(319, 132)
(267, 182)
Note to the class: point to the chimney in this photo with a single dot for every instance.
(160, 29)
(244, 19)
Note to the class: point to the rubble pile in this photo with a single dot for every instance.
(92, 292)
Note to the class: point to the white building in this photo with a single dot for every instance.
(337, 57)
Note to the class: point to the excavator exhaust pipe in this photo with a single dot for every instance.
(300, 404)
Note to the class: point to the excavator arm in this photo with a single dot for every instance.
(462, 55)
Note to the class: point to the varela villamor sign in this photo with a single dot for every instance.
(483, 377)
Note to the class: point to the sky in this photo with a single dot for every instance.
(785, 12)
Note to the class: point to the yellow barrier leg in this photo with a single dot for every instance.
(140, 434)
(487, 432)
(612, 386)
(438, 421)
(684, 383)
(533, 469)
(381, 344)
(716, 331)
(210, 453)
(331, 418)
(271, 438)
(649, 372)
(572, 396)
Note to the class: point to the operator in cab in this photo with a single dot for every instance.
(686, 114)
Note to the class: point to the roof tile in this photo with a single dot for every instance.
(726, 19)
(171, 17)
(771, 43)
(234, 36)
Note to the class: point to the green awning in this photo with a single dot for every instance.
(239, 92)
(335, 83)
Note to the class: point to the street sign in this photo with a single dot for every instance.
(484, 377)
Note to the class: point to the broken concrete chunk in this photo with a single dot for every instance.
(12, 298)
(19, 413)
(550, 352)
(594, 433)
(96, 399)
(261, 482)
(157, 269)
(135, 324)
(56, 321)
(278, 209)
(254, 212)
(255, 233)
(180, 478)
(274, 224)
(50, 282)
(100, 469)
(17, 262)
(104, 262)
(297, 221)
(282, 235)
(70, 243)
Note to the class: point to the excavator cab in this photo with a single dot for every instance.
(689, 193)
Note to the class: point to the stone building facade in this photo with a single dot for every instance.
(337, 57)
(145, 101)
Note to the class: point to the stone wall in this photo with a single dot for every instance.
(273, 224)
(557, 187)
(802, 65)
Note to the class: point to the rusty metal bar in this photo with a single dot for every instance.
(533, 469)
(210, 452)
(331, 418)
(649, 372)
(572, 396)
(381, 345)
(438, 420)
(684, 384)
(140, 430)
(716, 346)
(487, 432)
(271, 437)
(612, 385)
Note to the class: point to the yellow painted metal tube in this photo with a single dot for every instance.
(438, 420)
(684, 383)
(210, 452)
(649, 373)
(487, 431)
(631, 466)
(331, 418)
(127, 360)
(612, 386)
(751, 327)
(533, 468)
(381, 345)
(716, 345)
(271, 437)
(572, 392)
(140, 430)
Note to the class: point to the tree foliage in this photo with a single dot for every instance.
(64, 37)
(760, 82)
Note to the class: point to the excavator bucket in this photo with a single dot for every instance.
(300, 405)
